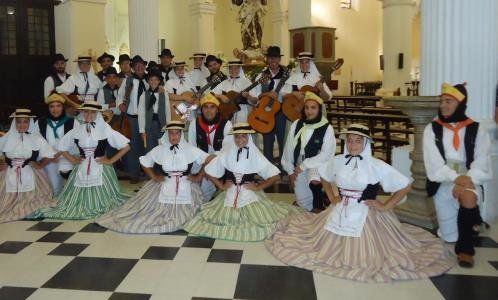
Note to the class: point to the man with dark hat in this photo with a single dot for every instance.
(57, 75)
(166, 66)
(214, 64)
(108, 94)
(456, 158)
(128, 101)
(85, 84)
(153, 110)
(124, 63)
(105, 60)
(276, 71)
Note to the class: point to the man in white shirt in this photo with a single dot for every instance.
(129, 95)
(166, 65)
(57, 75)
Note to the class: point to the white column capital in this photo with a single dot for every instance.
(199, 7)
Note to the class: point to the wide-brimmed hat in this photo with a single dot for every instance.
(241, 128)
(58, 57)
(235, 62)
(155, 73)
(179, 64)
(22, 113)
(198, 55)
(83, 58)
(273, 51)
(174, 125)
(105, 55)
(110, 71)
(305, 55)
(91, 106)
(138, 59)
(123, 58)
(211, 58)
(357, 129)
(166, 52)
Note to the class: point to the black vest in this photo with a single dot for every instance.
(34, 157)
(99, 150)
(222, 77)
(201, 137)
(314, 144)
(42, 124)
(245, 178)
(56, 79)
(270, 86)
(470, 144)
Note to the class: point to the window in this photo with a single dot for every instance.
(38, 31)
(8, 44)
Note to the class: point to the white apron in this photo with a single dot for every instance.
(90, 171)
(348, 217)
(19, 179)
(237, 195)
(175, 189)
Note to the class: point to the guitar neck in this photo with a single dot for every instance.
(281, 83)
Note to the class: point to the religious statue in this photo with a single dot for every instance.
(250, 17)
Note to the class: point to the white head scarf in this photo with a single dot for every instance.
(179, 155)
(250, 159)
(313, 69)
(355, 172)
(98, 129)
(11, 140)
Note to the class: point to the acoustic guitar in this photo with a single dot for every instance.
(183, 109)
(292, 106)
(227, 109)
(262, 118)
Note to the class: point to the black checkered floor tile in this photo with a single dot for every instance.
(81, 260)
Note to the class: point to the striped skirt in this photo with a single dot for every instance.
(16, 206)
(145, 214)
(253, 222)
(79, 203)
(387, 250)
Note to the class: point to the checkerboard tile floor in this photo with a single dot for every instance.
(52, 259)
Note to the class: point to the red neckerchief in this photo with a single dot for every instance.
(456, 129)
(205, 128)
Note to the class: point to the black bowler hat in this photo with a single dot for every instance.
(105, 55)
(58, 57)
(211, 58)
(138, 59)
(110, 71)
(155, 73)
(273, 51)
(151, 66)
(123, 58)
(166, 52)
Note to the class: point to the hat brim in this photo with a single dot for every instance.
(14, 116)
(173, 128)
(343, 135)
(242, 131)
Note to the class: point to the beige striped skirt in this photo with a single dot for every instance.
(387, 249)
(145, 214)
(16, 206)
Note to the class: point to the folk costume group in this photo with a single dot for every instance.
(207, 176)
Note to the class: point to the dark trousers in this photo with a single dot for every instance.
(137, 149)
(269, 138)
(153, 134)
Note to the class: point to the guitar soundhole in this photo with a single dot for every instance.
(267, 108)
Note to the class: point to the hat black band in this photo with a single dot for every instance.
(175, 125)
(84, 58)
(89, 105)
(360, 130)
(242, 128)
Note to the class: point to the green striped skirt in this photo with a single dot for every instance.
(253, 222)
(87, 202)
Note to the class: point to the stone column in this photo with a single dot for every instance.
(144, 28)
(280, 22)
(418, 209)
(76, 33)
(202, 14)
(397, 38)
(460, 44)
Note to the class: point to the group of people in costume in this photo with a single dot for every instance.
(212, 182)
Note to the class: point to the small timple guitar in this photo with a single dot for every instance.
(262, 118)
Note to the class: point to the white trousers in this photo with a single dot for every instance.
(304, 197)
